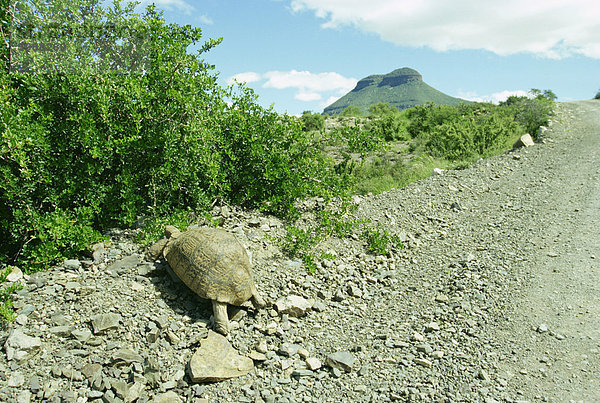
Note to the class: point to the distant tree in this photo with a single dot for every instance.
(538, 94)
(382, 109)
(312, 121)
(597, 95)
(352, 110)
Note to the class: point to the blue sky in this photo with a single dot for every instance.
(303, 54)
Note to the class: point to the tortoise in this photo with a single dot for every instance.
(214, 265)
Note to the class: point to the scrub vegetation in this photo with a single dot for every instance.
(130, 126)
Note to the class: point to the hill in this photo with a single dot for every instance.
(402, 88)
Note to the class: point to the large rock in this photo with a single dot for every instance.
(20, 346)
(217, 360)
(524, 141)
(293, 305)
(15, 275)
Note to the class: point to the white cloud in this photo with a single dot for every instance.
(493, 98)
(548, 28)
(171, 5)
(308, 86)
(329, 101)
(247, 77)
(308, 96)
(305, 80)
(206, 20)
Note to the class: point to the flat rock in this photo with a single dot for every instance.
(341, 360)
(126, 356)
(81, 335)
(423, 362)
(72, 264)
(313, 363)
(91, 371)
(124, 264)
(217, 360)
(16, 379)
(293, 305)
(105, 321)
(20, 346)
(168, 397)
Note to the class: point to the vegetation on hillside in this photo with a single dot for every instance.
(109, 130)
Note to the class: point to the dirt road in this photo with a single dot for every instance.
(560, 359)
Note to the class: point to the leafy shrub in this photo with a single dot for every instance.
(360, 140)
(6, 291)
(352, 111)
(597, 95)
(531, 112)
(84, 150)
(312, 121)
(474, 136)
(382, 109)
(423, 119)
(391, 127)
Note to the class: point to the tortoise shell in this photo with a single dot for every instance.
(213, 264)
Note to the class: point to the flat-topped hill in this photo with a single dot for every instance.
(402, 88)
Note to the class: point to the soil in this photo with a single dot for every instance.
(494, 297)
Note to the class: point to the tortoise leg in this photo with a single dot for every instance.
(221, 318)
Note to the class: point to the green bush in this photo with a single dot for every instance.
(391, 127)
(597, 95)
(352, 111)
(475, 136)
(468, 132)
(312, 121)
(360, 140)
(423, 119)
(531, 112)
(100, 142)
(382, 109)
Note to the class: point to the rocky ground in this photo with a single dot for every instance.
(493, 298)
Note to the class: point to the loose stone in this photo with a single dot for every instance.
(292, 305)
(423, 362)
(342, 360)
(104, 322)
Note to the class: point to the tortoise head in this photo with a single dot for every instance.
(171, 233)
(162, 247)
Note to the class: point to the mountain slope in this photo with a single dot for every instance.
(402, 88)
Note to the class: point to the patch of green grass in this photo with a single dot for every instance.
(7, 313)
(381, 174)
(380, 241)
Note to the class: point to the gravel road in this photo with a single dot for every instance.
(553, 339)
(495, 297)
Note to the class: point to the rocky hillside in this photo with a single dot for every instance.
(439, 320)
(402, 88)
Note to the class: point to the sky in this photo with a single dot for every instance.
(302, 55)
